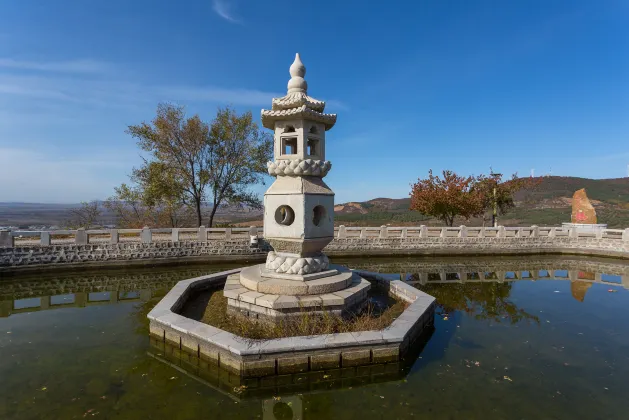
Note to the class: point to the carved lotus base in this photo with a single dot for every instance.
(293, 264)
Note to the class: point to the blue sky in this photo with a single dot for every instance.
(460, 85)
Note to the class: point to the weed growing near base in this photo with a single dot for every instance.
(371, 318)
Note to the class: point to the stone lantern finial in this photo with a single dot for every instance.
(297, 83)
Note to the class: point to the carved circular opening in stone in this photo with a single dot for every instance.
(318, 214)
(284, 215)
(283, 411)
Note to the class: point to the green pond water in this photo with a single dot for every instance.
(530, 338)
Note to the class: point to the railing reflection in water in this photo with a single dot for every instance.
(71, 300)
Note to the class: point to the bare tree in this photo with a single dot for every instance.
(239, 151)
(84, 216)
(181, 145)
(191, 161)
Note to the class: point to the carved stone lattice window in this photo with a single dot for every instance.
(313, 147)
(289, 145)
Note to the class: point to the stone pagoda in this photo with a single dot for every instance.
(298, 218)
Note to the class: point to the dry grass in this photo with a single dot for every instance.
(299, 325)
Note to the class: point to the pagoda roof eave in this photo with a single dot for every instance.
(297, 99)
(269, 117)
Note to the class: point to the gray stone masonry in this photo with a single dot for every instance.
(291, 387)
(348, 241)
(108, 253)
(258, 358)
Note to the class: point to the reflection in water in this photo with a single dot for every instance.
(75, 346)
(30, 293)
(579, 288)
(484, 301)
(210, 374)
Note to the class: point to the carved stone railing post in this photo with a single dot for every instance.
(573, 233)
(146, 236)
(423, 231)
(80, 237)
(363, 233)
(253, 237)
(174, 235)
(463, 231)
(202, 234)
(114, 236)
(6, 239)
(404, 233)
(502, 233)
(444, 232)
(481, 232)
(44, 302)
(552, 232)
(80, 299)
(625, 235)
(534, 231)
(44, 239)
(599, 233)
(228, 233)
(384, 233)
(6, 307)
(342, 234)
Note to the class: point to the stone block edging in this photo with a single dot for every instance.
(254, 358)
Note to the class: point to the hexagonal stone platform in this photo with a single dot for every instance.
(252, 294)
(259, 358)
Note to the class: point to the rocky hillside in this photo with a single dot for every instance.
(548, 204)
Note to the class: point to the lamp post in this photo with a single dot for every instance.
(494, 216)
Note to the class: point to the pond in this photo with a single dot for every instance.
(536, 337)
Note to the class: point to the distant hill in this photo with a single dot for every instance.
(40, 215)
(548, 204)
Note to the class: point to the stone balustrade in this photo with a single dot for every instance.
(403, 232)
(146, 245)
(10, 239)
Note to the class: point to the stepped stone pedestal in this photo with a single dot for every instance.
(252, 294)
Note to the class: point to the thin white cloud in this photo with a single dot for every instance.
(224, 8)
(334, 106)
(119, 94)
(55, 179)
(247, 97)
(82, 66)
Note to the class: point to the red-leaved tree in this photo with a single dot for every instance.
(448, 197)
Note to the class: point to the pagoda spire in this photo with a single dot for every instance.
(297, 83)
(297, 104)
